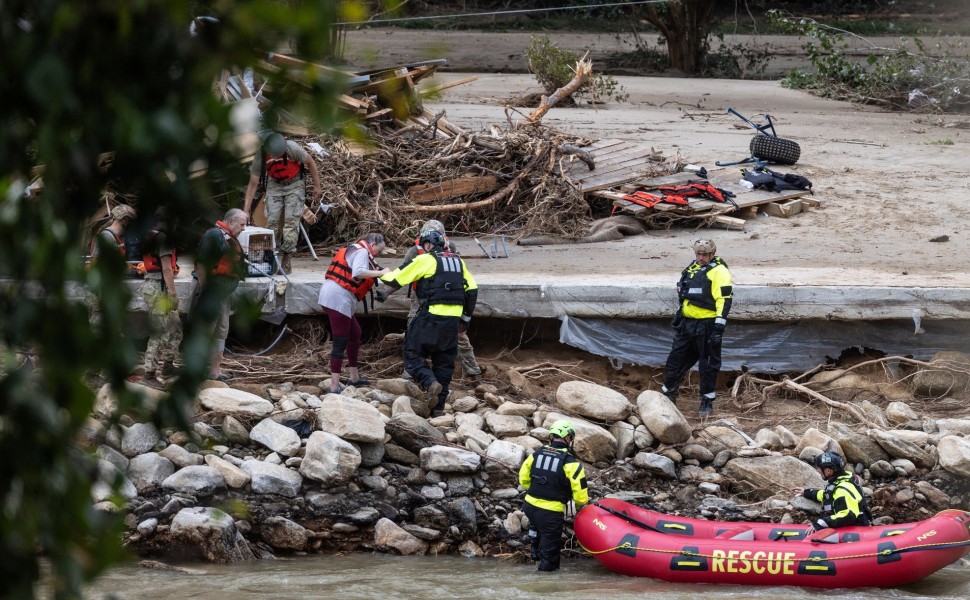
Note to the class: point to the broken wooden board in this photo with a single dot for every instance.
(453, 188)
(617, 162)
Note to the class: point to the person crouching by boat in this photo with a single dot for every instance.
(843, 503)
(552, 476)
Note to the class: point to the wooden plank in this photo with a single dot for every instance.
(810, 202)
(377, 113)
(632, 174)
(453, 188)
(450, 84)
(727, 222)
(614, 175)
(783, 209)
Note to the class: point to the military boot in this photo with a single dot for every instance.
(166, 373)
(285, 263)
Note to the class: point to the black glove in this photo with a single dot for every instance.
(717, 335)
(463, 324)
(380, 295)
(677, 321)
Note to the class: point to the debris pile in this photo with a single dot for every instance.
(414, 165)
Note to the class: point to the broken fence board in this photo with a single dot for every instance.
(453, 188)
(783, 209)
(445, 86)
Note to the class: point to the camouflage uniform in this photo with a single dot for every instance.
(166, 327)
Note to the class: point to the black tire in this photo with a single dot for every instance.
(775, 149)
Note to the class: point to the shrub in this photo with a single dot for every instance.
(554, 68)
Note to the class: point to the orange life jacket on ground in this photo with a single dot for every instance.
(341, 273)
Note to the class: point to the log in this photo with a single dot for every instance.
(445, 190)
(584, 69)
(579, 153)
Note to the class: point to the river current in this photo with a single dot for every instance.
(384, 577)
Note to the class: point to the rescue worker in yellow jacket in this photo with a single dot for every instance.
(552, 477)
(704, 295)
(448, 294)
(842, 500)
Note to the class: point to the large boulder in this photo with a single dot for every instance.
(278, 438)
(894, 444)
(283, 534)
(857, 448)
(948, 374)
(234, 402)
(446, 459)
(139, 439)
(196, 481)
(955, 455)
(329, 459)
(503, 459)
(235, 477)
(765, 476)
(506, 425)
(661, 418)
(181, 457)
(148, 471)
(593, 443)
(350, 419)
(268, 478)
(593, 401)
(208, 534)
(813, 438)
(656, 464)
(388, 536)
(412, 432)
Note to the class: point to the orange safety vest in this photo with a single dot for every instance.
(340, 272)
(230, 261)
(152, 262)
(283, 169)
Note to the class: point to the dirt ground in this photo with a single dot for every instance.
(890, 182)
(893, 187)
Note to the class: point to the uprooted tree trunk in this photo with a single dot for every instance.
(584, 70)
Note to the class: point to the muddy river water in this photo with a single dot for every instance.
(367, 576)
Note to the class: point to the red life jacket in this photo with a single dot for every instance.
(231, 262)
(283, 169)
(341, 273)
(152, 262)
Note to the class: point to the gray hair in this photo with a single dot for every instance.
(374, 238)
(233, 215)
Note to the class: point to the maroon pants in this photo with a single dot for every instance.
(346, 338)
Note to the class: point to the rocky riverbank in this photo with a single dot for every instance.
(280, 469)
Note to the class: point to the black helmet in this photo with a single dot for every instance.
(829, 460)
(434, 238)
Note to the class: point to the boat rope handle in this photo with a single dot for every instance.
(887, 552)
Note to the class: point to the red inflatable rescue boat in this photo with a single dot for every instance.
(639, 542)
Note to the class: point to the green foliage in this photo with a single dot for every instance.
(555, 67)
(887, 76)
(84, 80)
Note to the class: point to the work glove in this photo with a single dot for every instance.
(463, 324)
(173, 301)
(380, 295)
(717, 335)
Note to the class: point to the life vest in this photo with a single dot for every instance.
(231, 261)
(151, 259)
(283, 168)
(847, 482)
(342, 274)
(696, 287)
(122, 249)
(548, 477)
(447, 285)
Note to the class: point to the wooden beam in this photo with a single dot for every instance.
(783, 209)
(445, 86)
(453, 188)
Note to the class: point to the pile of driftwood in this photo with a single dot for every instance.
(413, 165)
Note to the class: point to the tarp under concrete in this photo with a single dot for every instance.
(767, 347)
